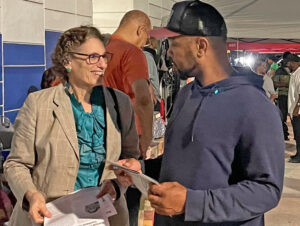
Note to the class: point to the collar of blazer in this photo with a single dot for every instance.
(64, 113)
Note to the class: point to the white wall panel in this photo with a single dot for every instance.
(109, 20)
(24, 22)
(61, 5)
(106, 30)
(156, 2)
(142, 5)
(36, 1)
(165, 12)
(112, 5)
(155, 11)
(108, 13)
(167, 4)
(59, 21)
(84, 7)
(0, 18)
(155, 22)
(83, 20)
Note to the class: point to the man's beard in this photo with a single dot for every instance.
(183, 74)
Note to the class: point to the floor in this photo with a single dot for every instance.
(287, 213)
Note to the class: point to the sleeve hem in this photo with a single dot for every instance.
(194, 206)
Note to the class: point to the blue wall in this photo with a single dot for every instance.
(21, 66)
(1, 80)
(50, 40)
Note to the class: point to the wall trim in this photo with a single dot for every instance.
(6, 111)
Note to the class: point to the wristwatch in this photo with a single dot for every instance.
(298, 104)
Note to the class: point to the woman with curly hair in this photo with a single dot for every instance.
(64, 134)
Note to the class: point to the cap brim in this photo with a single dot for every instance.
(163, 32)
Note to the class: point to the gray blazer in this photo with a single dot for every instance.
(45, 155)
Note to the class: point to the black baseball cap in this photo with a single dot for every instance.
(192, 18)
(292, 58)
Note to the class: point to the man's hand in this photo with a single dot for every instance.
(122, 177)
(168, 198)
(153, 97)
(107, 188)
(144, 143)
(143, 108)
(273, 97)
(37, 206)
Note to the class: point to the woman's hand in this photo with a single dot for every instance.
(122, 177)
(107, 188)
(37, 206)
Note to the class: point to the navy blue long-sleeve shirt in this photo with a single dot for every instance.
(224, 143)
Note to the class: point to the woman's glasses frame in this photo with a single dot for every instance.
(94, 58)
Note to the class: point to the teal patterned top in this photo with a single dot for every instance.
(91, 134)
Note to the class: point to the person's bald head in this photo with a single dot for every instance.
(135, 17)
(134, 28)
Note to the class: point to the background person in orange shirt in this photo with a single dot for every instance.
(128, 72)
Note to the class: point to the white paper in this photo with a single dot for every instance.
(81, 208)
(141, 181)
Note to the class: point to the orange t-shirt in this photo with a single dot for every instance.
(127, 65)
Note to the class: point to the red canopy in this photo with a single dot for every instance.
(264, 47)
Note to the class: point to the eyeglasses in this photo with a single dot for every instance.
(94, 58)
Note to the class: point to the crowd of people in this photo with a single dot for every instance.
(223, 161)
(281, 84)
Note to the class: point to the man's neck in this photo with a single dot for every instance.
(215, 74)
(123, 35)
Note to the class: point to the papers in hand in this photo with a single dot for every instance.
(141, 181)
(81, 208)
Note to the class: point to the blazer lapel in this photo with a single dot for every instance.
(64, 113)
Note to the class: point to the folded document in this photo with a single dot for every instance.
(141, 181)
(81, 208)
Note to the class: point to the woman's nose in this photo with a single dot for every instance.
(102, 63)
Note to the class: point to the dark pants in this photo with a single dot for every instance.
(296, 129)
(133, 197)
(152, 167)
(282, 103)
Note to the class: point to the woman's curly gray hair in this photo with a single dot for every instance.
(67, 42)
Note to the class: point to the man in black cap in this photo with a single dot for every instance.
(293, 63)
(223, 162)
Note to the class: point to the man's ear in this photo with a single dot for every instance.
(139, 31)
(201, 46)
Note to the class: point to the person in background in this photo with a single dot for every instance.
(64, 134)
(281, 82)
(150, 53)
(50, 78)
(260, 68)
(32, 89)
(273, 66)
(293, 63)
(152, 166)
(128, 72)
(223, 161)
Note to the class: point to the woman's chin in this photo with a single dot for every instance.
(100, 81)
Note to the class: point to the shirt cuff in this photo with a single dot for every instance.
(194, 205)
